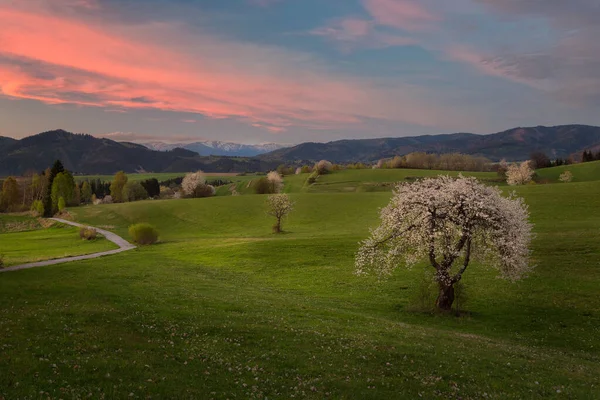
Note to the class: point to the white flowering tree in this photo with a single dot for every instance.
(519, 174)
(275, 180)
(566, 177)
(191, 181)
(280, 205)
(449, 222)
(324, 167)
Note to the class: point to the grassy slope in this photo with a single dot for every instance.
(583, 172)
(44, 244)
(222, 308)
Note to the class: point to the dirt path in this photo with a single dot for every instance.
(123, 244)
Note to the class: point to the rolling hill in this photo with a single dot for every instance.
(514, 145)
(89, 155)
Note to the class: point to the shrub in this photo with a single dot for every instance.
(263, 186)
(204, 190)
(1, 261)
(566, 177)
(38, 207)
(312, 178)
(143, 233)
(87, 233)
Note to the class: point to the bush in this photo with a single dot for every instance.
(312, 178)
(324, 167)
(87, 233)
(1, 261)
(204, 190)
(61, 204)
(38, 207)
(264, 186)
(143, 234)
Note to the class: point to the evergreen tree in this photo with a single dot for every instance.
(56, 169)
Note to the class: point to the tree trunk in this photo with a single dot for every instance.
(445, 297)
(277, 226)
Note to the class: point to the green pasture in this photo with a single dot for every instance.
(23, 240)
(584, 172)
(221, 308)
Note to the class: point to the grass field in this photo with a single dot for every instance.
(583, 172)
(221, 308)
(23, 240)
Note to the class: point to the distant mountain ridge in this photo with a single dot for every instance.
(514, 145)
(87, 154)
(217, 148)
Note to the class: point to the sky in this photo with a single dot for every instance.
(291, 71)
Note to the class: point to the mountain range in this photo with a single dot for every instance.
(87, 154)
(514, 145)
(90, 155)
(217, 148)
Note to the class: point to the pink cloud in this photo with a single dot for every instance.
(58, 59)
(402, 14)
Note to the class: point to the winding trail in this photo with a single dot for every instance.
(123, 244)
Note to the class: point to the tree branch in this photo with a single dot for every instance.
(458, 276)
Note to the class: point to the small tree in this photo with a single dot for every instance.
(61, 204)
(519, 174)
(191, 181)
(323, 167)
(502, 168)
(10, 194)
(62, 186)
(276, 181)
(134, 191)
(117, 185)
(86, 193)
(280, 206)
(566, 177)
(449, 222)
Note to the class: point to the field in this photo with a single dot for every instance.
(584, 172)
(163, 176)
(24, 240)
(222, 308)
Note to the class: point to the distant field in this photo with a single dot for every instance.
(583, 172)
(164, 176)
(23, 240)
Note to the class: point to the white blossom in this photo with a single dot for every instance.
(279, 205)
(275, 180)
(519, 174)
(449, 222)
(324, 167)
(191, 181)
(566, 177)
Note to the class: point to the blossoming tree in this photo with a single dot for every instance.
(519, 174)
(191, 181)
(449, 222)
(279, 206)
(276, 181)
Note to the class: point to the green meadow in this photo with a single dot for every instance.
(222, 308)
(23, 240)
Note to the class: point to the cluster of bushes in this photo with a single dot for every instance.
(446, 162)
(272, 183)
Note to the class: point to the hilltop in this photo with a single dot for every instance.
(514, 144)
(87, 154)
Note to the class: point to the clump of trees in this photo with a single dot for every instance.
(520, 174)
(117, 185)
(445, 162)
(272, 183)
(279, 206)
(588, 156)
(448, 223)
(194, 185)
(134, 191)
